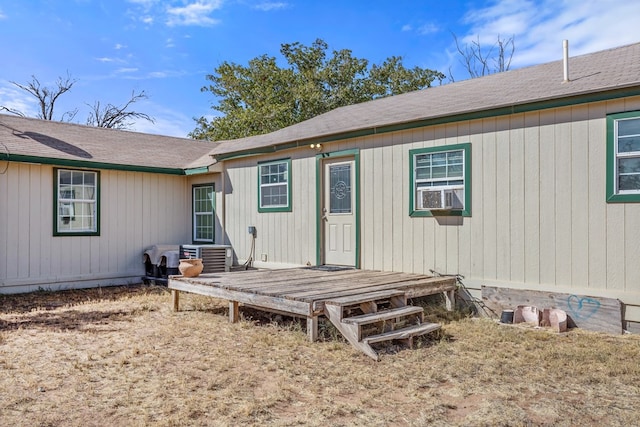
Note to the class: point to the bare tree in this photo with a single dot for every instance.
(110, 116)
(115, 117)
(480, 61)
(47, 97)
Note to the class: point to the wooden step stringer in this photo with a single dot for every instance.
(386, 311)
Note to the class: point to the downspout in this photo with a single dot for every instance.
(223, 214)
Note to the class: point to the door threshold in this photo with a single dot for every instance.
(329, 267)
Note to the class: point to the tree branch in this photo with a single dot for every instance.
(47, 97)
(117, 117)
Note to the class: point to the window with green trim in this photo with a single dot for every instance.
(203, 213)
(623, 157)
(274, 186)
(440, 180)
(76, 202)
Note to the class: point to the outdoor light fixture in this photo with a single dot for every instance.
(318, 147)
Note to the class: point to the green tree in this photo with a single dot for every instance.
(263, 97)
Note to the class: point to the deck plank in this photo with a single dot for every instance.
(412, 287)
(365, 319)
(288, 283)
(364, 297)
(263, 301)
(268, 281)
(302, 291)
(299, 288)
(401, 281)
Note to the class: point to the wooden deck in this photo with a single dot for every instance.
(302, 292)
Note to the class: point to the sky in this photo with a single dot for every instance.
(167, 48)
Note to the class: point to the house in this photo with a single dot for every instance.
(78, 204)
(541, 175)
(519, 180)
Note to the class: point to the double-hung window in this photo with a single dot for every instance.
(203, 213)
(274, 186)
(76, 202)
(440, 180)
(623, 157)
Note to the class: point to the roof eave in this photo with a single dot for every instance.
(515, 108)
(90, 165)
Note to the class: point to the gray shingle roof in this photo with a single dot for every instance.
(21, 136)
(603, 71)
(594, 73)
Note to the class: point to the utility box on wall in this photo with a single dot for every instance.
(215, 258)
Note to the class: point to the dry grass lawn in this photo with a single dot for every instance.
(121, 357)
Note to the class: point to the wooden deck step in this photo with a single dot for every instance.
(404, 333)
(382, 316)
(365, 297)
(365, 319)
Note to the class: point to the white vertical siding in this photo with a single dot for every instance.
(615, 233)
(284, 237)
(517, 171)
(579, 197)
(632, 230)
(377, 203)
(476, 221)
(367, 223)
(465, 235)
(596, 267)
(385, 206)
(563, 195)
(136, 210)
(502, 186)
(407, 256)
(531, 197)
(487, 204)
(547, 201)
(539, 215)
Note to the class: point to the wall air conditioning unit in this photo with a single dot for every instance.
(215, 258)
(449, 199)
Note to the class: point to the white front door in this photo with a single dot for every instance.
(338, 212)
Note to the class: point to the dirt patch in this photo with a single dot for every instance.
(121, 356)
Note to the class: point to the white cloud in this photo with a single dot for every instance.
(169, 43)
(540, 26)
(423, 30)
(194, 14)
(126, 70)
(143, 10)
(119, 46)
(16, 99)
(144, 3)
(127, 73)
(159, 74)
(2, 15)
(177, 13)
(167, 121)
(108, 60)
(428, 28)
(167, 126)
(268, 6)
